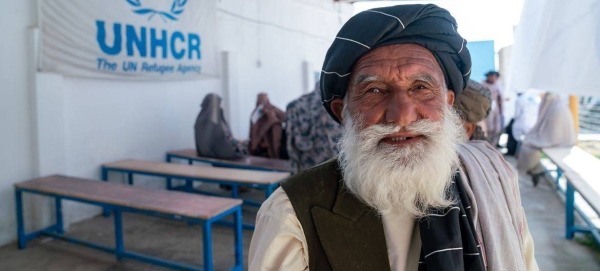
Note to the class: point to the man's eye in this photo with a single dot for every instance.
(375, 90)
(420, 87)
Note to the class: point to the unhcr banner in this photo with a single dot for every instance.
(129, 39)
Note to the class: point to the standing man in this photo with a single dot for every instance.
(494, 122)
(403, 194)
(526, 113)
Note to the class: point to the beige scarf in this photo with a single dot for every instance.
(492, 186)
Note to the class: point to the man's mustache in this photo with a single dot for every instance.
(423, 127)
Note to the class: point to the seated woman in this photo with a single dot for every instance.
(266, 129)
(473, 105)
(212, 133)
(554, 128)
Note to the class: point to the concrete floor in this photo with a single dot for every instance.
(177, 241)
(544, 209)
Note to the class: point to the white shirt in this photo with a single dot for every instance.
(278, 242)
(526, 113)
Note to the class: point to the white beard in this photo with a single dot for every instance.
(401, 180)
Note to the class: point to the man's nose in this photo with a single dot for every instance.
(401, 110)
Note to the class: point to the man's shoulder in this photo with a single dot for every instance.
(478, 146)
(479, 156)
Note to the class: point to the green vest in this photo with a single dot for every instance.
(342, 233)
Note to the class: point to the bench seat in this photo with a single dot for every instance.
(239, 176)
(197, 209)
(581, 170)
(246, 162)
(268, 181)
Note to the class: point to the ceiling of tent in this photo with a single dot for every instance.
(557, 47)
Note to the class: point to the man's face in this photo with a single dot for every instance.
(396, 84)
(492, 78)
(398, 149)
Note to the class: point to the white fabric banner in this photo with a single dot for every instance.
(557, 47)
(129, 39)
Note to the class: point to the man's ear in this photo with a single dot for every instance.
(469, 129)
(450, 97)
(337, 106)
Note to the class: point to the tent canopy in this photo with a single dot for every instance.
(557, 47)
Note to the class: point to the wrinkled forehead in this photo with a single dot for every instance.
(398, 60)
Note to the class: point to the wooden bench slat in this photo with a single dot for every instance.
(213, 173)
(253, 161)
(582, 169)
(170, 202)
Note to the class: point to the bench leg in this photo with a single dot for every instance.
(207, 245)
(559, 173)
(105, 211)
(59, 216)
(239, 254)
(570, 211)
(20, 224)
(169, 183)
(234, 191)
(119, 248)
(130, 178)
(104, 174)
(189, 184)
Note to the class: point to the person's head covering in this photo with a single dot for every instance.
(495, 73)
(474, 103)
(426, 25)
(263, 99)
(211, 108)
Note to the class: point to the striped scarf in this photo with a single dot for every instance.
(448, 237)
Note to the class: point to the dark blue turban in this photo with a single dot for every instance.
(427, 25)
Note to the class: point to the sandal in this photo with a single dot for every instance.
(536, 178)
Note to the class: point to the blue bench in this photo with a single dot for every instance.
(235, 178)
(581, 172)
(118, 198)
(246, 162)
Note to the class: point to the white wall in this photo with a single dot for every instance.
(271, 41)
(55, 124)
(16, 138)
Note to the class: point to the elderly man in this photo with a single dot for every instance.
(402, 194)
(473, 105)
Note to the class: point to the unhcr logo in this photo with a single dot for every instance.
(177, 45)
(148, 42)
(176, 9)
